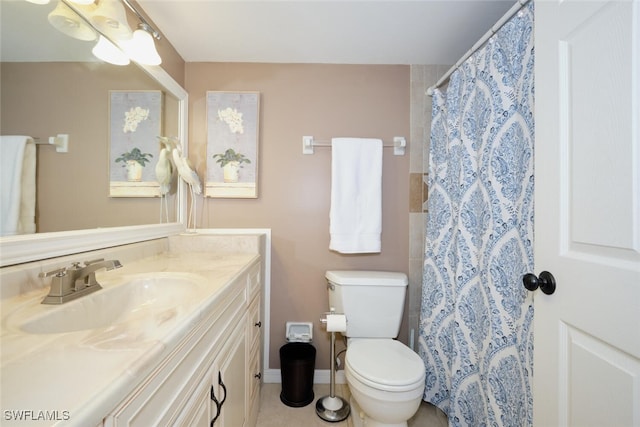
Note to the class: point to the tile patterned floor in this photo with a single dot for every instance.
(274, 413)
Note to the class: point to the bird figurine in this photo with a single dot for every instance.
(186, 170)
(188, 174)
(164, 174)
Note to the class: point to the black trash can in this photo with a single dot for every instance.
(297, 364)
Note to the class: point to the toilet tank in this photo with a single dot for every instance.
(373, 301)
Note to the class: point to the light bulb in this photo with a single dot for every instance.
(109, 52)
(141, 47)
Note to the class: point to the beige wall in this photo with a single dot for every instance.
(323, 101)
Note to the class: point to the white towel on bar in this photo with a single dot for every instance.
(355, 217)
(18, 185)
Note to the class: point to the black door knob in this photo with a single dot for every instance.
(546, 282)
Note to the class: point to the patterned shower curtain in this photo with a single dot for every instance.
(476, 335)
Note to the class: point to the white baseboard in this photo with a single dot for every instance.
(320, 376)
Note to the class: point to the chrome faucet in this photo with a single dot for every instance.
(72, 282)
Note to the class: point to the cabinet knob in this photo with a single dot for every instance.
(258, 375)
(258, 324)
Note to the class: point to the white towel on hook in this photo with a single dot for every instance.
(355, 217)
(18, 180)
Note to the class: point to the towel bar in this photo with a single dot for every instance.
(399, 145)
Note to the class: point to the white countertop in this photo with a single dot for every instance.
(77, 378)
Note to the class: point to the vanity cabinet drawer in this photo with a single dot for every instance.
(253, 398)
(255, 323)
(254, 371)
(255, 378)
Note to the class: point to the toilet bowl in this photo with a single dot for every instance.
(386, 380)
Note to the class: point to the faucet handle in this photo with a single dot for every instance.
(75, 266)
(93, 261)
(60, 272)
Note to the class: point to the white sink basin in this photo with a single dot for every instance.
(137, 300)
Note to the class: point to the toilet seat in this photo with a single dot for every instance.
(385, 364)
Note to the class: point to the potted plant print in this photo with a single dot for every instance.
(231, 162)
(134, 161)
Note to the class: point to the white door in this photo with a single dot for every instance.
(587, 166)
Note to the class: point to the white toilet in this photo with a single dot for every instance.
(385, 377)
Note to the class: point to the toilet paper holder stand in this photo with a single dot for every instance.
(332, 408)
(330, 325)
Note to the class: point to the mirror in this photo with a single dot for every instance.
(52, 84)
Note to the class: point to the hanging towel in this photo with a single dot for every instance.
(356, 195)
(18, 185)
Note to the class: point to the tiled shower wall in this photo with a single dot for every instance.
(422, 77)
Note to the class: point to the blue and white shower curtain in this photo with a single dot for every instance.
(476, 335)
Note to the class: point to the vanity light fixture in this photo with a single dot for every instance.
(68, 22)
(109, 52)
(86, 20)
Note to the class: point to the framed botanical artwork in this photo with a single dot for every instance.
(232, 144)
(135, 122)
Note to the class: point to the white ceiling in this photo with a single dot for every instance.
(324, 31)
(294, 31)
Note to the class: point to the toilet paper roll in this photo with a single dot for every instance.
(336, 323)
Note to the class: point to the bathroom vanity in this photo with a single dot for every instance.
(213, 373)
(173, 338)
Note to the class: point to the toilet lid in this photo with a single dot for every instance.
(384, 364)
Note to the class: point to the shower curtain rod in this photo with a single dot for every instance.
(505, 18)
